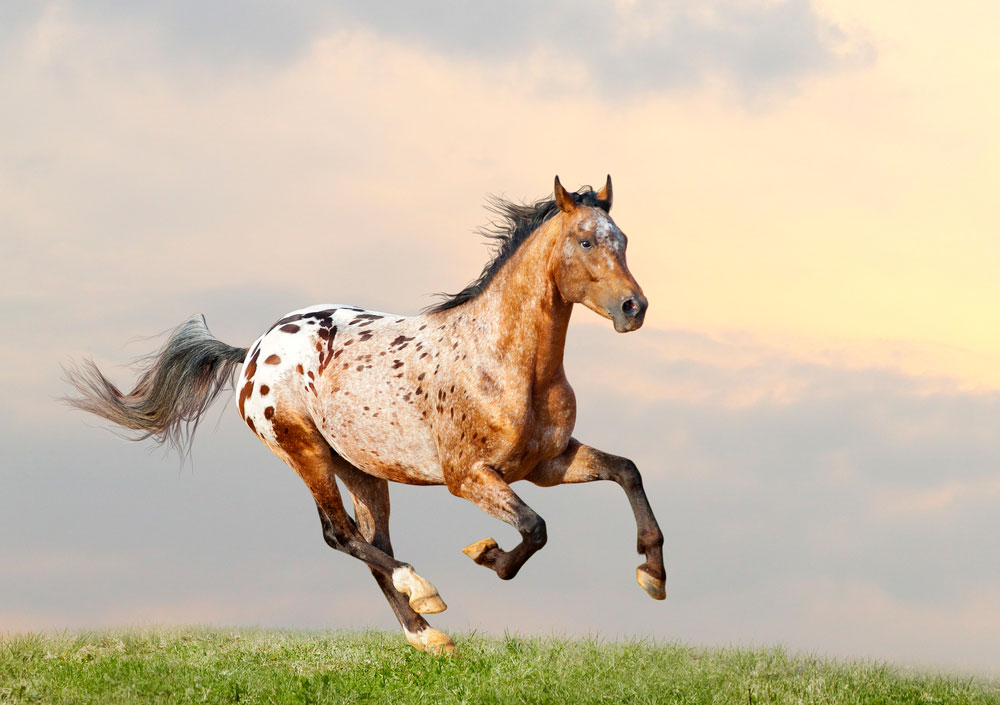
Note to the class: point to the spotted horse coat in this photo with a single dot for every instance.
(471, 394)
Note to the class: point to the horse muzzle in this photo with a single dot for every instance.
(629, 313)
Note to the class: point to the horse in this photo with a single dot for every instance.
(470, 394)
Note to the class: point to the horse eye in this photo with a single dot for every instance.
(586, 244)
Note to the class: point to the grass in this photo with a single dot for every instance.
(260, 666)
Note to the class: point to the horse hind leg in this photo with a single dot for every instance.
(301, 445)
(371, 511)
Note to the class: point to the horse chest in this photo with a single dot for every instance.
(537, 427)
(555, 416)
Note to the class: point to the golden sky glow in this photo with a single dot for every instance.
(812, 402)
(856, 211)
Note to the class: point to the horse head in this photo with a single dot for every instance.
(588, 262)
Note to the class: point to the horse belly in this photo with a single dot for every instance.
(365, 407)
(380, 442)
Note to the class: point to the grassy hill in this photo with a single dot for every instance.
(260, 666)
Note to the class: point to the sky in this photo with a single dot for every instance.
(809, 194)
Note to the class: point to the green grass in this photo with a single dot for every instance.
(260, 666)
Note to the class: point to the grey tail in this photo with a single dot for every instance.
(176, 386)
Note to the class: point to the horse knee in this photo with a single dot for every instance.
(628, 475)
(535, 534)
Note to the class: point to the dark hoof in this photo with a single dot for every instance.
(654, 587)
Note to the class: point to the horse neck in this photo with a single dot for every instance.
(524, 314)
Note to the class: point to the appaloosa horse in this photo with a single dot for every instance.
(471, 394)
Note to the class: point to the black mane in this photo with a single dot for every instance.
(514, 223)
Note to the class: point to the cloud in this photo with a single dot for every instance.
(627, 48)
(811, 493)
(814, 518)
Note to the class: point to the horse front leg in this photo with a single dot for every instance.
(581, 463)
(487, 490)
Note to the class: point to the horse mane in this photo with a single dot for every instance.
(513, 223)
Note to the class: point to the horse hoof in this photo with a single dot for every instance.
(431, 604)
(423, 596)
(432, 641)
(654, 587)
(477, 550)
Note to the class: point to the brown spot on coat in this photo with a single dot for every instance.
(244, 395)
(272, 360)
(264, 389)
(287, 319)
(269, 412)
(290, 328)
(328, 356)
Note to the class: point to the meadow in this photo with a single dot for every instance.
(197, 665)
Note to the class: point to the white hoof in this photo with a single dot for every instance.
(424, 598)
(432, 641)
(477, 550)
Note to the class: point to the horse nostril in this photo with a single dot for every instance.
(631, 308)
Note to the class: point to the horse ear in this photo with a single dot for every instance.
(605, 194)
(564, 199)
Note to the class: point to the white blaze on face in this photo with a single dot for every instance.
(608, 240)
(607, 233)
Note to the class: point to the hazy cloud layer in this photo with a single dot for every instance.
(624, 48)
(851, 514)
(167, 161)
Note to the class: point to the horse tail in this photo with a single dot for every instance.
(176, 386)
